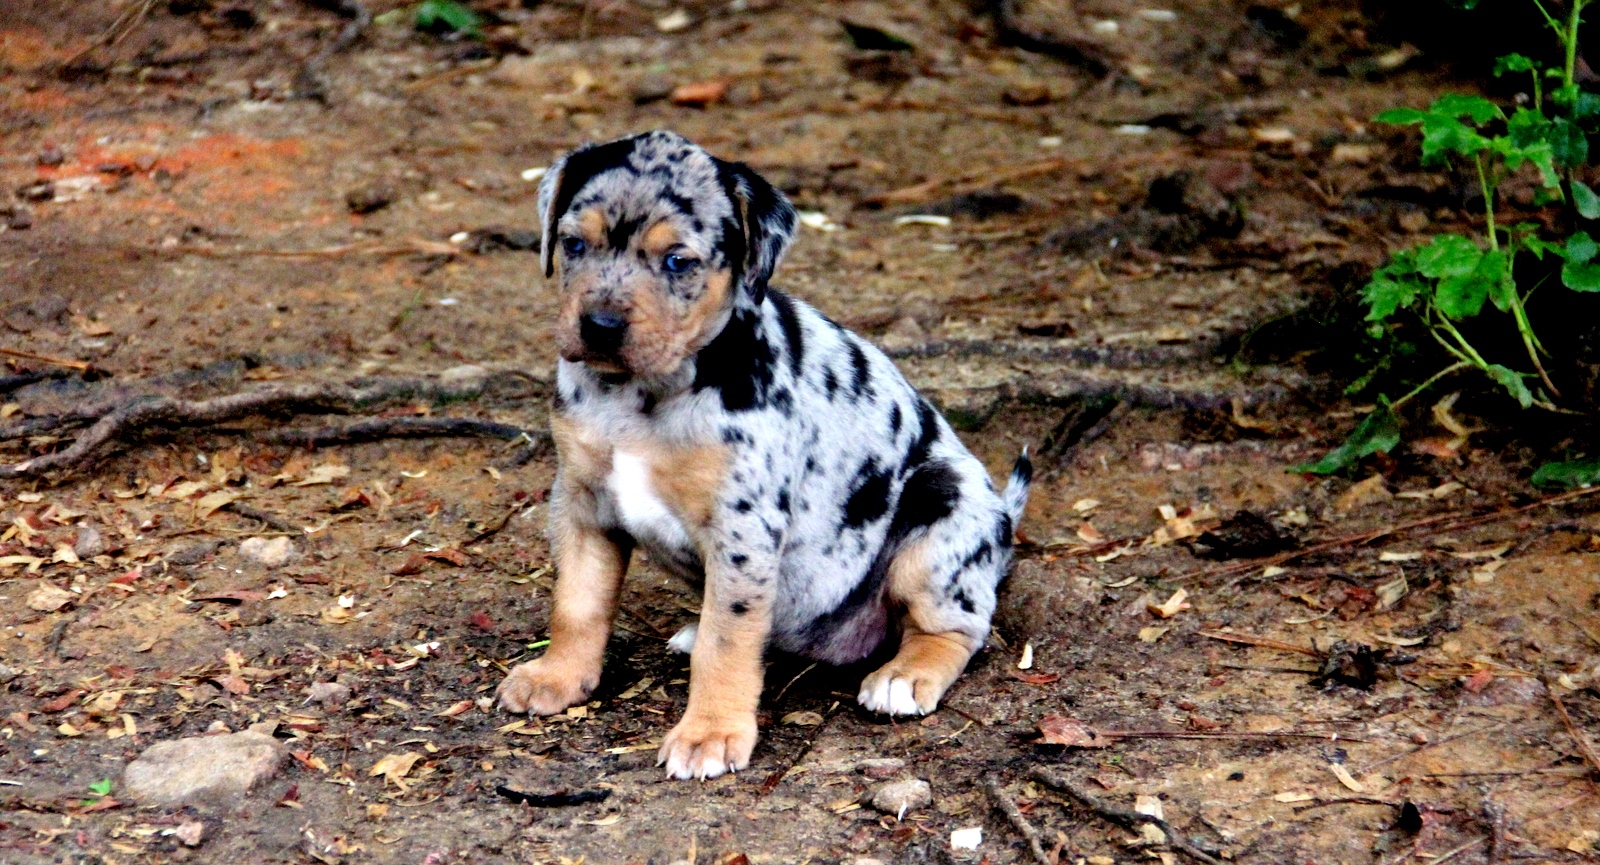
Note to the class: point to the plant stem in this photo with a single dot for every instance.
(1570, 42)
(1529, 341)
(1488, 200)
(1467, 351)
(1455, 367)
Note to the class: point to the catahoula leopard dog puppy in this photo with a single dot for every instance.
(742, 438)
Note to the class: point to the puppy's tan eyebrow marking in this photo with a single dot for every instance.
(592, 226)
(659, 238)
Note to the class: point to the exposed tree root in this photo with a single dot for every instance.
(395, 427)
(114, 420)
(1122, 816)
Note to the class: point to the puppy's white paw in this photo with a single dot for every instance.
(886, 692)
(683, 641)
(705, 745)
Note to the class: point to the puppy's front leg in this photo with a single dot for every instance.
(718, 729)
(590, 564)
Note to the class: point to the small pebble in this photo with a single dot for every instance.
(901, 797)
(50, 156)
(369, 199)
(273, 552)
(882, 767)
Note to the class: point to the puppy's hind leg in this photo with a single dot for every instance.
(945, 582)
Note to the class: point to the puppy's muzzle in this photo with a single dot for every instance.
(602, 333)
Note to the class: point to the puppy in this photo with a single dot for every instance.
(743, 439)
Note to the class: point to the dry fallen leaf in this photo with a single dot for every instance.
(1090, 534)
(210, 503)
(1391, 592)
(454, 710)
(1152, 633)
(1059, 730)
(395, 767)
(608, 820)
(48, 598)
(802, 719)
(638, 688)
(1144, 803)
(1293, 797)
(326, 473)
(1083, 506)
(1172, 606)
(700, 93)
(1345, 778)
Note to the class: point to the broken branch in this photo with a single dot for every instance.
(1121, 816)
(1018, 820)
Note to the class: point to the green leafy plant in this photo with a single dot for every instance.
(101, 788)
(1454, 277)
(434, 15)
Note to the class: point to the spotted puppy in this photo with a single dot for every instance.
(741, 437)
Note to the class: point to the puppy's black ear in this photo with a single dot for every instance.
(562, 182)
(765, 222)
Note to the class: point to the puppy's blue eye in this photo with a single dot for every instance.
(675, 263)
(573, 246)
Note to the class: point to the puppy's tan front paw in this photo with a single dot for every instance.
(704, 745)
(899, 688)
(544, 687)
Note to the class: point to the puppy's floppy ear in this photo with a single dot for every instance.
(562, 182)
(764, 225)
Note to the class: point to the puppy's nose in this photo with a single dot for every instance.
(602, 331)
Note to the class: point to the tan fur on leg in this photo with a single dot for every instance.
(589, 571)
(718, 730)
(929, 661)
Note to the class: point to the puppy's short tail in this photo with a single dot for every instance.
(1015, 496)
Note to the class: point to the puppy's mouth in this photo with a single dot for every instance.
(605, 364)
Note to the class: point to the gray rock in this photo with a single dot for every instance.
(8, 673)
(202, 770)
(274, 552)
(882, 767)
(331, 694)
(89, 542)
(902, 797)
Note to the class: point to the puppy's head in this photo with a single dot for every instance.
(657, 242)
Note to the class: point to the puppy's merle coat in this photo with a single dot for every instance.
(741, 437)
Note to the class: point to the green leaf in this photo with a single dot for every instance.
(1581, 247)
(101, 787)
(1461, 296)
(1585, 200)
(1512, 381)
(1393, 286)
(1502, 288)
(447, 15)
(1456, 105)
(1442, 135)
(1527, 127)
(1579, 274)
(1587, 105)
(1539, 246)
(1401, 116)
(1513, 63)
(1377, 432)
(1568, 145)
(1575, 473)
(1448, 255)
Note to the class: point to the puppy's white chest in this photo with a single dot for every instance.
(642, 511)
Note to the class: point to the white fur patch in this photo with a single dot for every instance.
(643, 513)
(890, 695)
(683, 641)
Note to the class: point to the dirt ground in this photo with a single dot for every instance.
(1119, 220)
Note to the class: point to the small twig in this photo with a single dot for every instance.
(785, 688)
(461, 71)
(80, 366)
(1075, 50)
(1387, 760)
(1263, 642)
(973, 182)
(52, 643)
(495, 527)
(1018, 820)
(1121, 816)
(125, 24)
(270, 519)
(1347, 800)
(9, 383)
(1572, 729)
(1451, 854)
(1436, 523)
